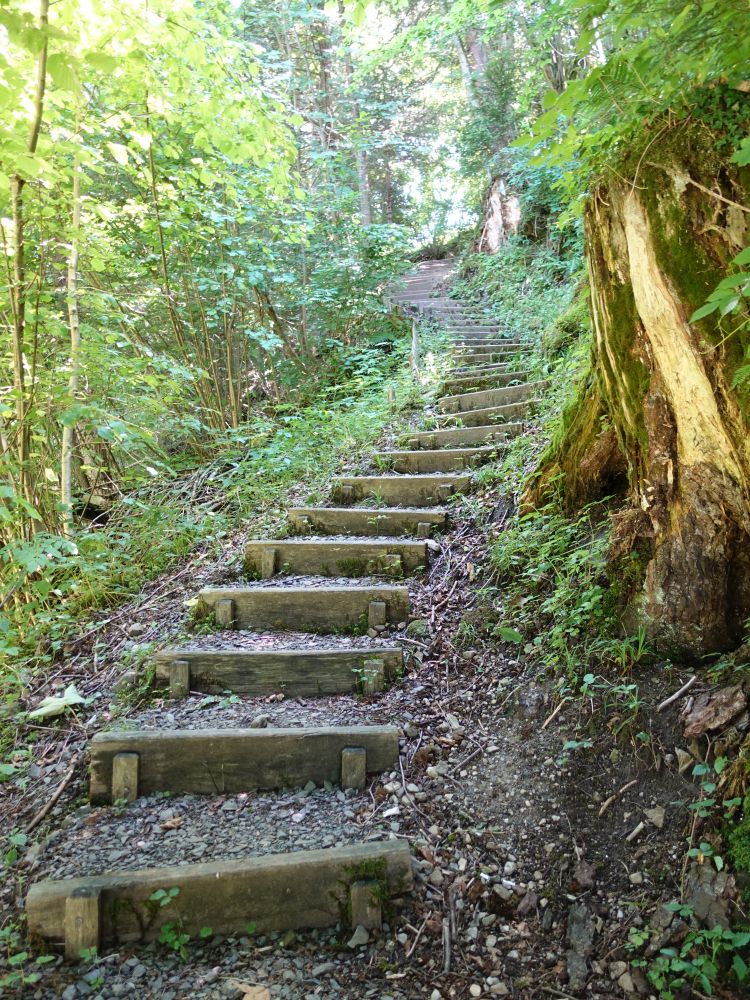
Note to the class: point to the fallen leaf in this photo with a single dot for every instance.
(172, 824)
(250, 992)
(56, 704)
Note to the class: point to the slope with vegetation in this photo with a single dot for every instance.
(202, 205)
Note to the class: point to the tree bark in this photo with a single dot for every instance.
(74, 327)
(660, 404)
(18, 289)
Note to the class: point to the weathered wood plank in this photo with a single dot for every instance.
(219, 761)
(407, 490)
(462, 436)
(302, 889)
(308, 609)
(326, 557)
(302, 673)
(489, 397)
(500, 414)
(439, 460)
(363, 521)
(491, 380)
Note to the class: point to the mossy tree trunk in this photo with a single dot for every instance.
(659, 411)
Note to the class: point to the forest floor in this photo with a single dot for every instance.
(543, 832)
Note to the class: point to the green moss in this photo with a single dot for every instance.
(738, 838)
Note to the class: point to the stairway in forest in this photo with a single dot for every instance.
(341, 570)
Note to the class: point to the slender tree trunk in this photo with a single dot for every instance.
(18, 290)
(363, 181)
(74, 326)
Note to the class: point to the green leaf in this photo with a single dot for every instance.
(705, 310)
(62, 71)
(509, 634)
(119, 152)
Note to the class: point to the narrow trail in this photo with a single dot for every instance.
(327, 614)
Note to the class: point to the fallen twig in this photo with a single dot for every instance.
(678, 694)
(551, 717)
(56, 794)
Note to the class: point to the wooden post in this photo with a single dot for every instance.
(424, 529)
(82, 921)
(179, 679)
(347, 493)
(376, 613)
(366, 908)
(414, 444)
(125, 777)
(267, 563)
(353, 767)
(445, 491)
(224, 612)
(373, 674)
(305, 526)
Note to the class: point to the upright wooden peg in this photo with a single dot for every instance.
(179, 679)
(424, 529)
(353, 767)
(347, 493)
(125, 777)
(224, 612)
(267, 563)
(445, 491)
(373, 675)
(365, 905)
(376, 613)
(82, 921)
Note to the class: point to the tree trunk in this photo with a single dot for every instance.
(660, 404)
(18, 289)
(363, 182)
(74, 327)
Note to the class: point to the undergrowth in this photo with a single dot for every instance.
(69, 581)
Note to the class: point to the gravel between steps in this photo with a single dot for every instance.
(163, 830)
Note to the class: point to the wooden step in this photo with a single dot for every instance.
(418, 523)
(134, 762)
(441, 460)
(489, 397)
(409, 491)
(477, 345)
(471, 348)
(472, 328)
(499, 415)
(484, 357)
(326, 557)
(277, 892)
(462, 436)
(491, 380)
(298, 673)
(479, 371)
(307, 609)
